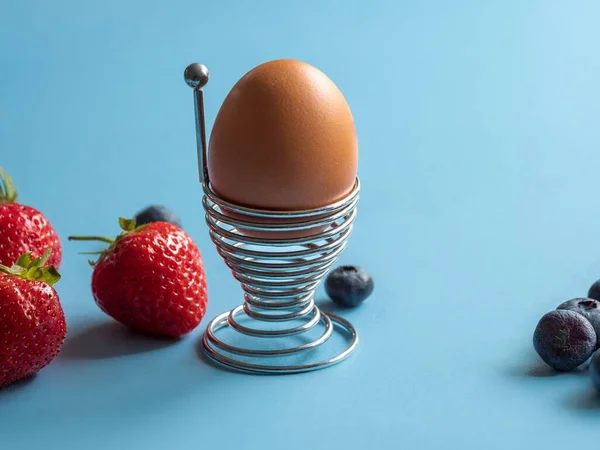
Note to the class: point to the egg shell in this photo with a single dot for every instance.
(284, 139)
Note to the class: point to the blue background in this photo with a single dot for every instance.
(479, 137)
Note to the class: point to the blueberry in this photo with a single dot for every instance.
(349, 286)
(595, 369)
(594, 291)
(587, 307)
(157, 213)
(564, 339)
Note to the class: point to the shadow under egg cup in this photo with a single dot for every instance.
(280, 258)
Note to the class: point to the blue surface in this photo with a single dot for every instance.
(479, 135)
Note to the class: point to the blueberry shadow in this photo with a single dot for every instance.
(586, 400)
(110, 340)
(540, 369)
(327, 305)
(530, 365)
(17, 385)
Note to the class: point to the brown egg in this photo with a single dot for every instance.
(284, 139)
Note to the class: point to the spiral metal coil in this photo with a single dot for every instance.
(279, 276)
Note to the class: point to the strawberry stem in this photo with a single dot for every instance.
(127, 226)
(8, 191)
(91, 238)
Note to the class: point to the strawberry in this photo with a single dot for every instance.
(32, 322)
(24, 229)
(150, 278)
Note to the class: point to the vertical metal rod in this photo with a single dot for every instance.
(196, 76)
(201, 135)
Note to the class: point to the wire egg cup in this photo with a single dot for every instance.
(280, 258)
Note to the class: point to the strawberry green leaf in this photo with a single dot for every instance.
(33, 270)
(45, 257)
(33, 273)
(127, 224)
(16, 270)
(36, 262)
(49, 275)
(39, 262)
(8, 191)
(24, 260)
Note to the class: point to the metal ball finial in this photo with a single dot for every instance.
(196, 75)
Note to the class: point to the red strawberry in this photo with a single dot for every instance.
(151, 279)
(32, 321)
(24, 229)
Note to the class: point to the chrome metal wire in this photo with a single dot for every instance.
(279, 275)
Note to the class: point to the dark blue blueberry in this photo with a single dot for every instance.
(349, 286)
(157, 213)
(595, 369)
(564, 339)
(587, 307)
(594, 291)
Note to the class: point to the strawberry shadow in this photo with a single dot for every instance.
(17, 385)
(110, 340)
